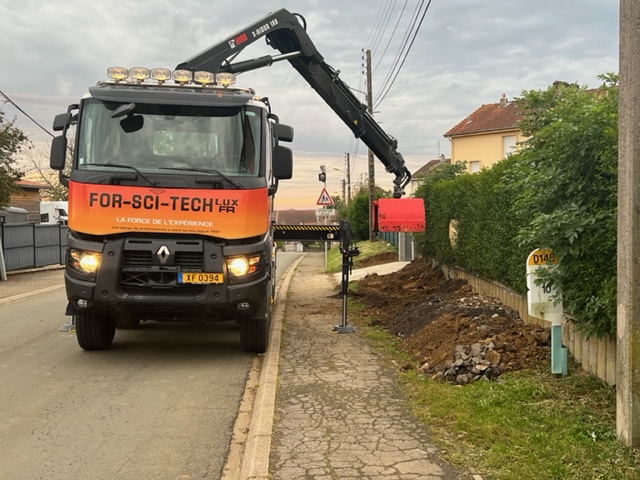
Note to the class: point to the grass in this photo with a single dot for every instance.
(531, 425)
(367, 249)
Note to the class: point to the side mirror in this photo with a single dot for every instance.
(61, 122)
(284, 133)
(282, 163)
(58, 153)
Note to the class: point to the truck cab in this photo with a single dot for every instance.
(170, 203)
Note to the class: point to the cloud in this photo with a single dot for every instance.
(467, 53)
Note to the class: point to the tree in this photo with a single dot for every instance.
(566, 185)
(358, 211)
(12, 141)
(56, 191)
(340, 208)
(559, 191)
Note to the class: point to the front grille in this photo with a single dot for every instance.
(137, 258)
(190, 260)
(144, 272)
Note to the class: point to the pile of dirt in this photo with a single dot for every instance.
(449, 328)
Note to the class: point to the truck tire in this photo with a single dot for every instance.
(94, 331)
(254, 331)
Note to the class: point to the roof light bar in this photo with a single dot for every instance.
(162, 75)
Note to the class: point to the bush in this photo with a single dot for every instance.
(559, 192)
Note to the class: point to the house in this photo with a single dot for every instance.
(418, 175)
(27, 196)
(487, 135)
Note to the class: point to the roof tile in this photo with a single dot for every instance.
(488, 118)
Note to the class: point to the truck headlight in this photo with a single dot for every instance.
(86, 262)
(241, 266)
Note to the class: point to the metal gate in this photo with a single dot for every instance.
(30, 245)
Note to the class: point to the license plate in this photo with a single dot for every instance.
(199, 277)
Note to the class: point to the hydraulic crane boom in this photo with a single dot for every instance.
(286, 32)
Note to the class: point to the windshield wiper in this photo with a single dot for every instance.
(211, 171)
(121, 165)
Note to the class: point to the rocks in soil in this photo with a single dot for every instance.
(454, 333)
(469, 363)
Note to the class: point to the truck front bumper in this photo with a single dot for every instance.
(137, 278)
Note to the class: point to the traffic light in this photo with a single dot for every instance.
(322, 176)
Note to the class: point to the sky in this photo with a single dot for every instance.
(464, 54)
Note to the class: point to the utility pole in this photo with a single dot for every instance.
(372, 170)
(348, 170)
(628, 321)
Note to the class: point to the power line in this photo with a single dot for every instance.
(387, 17)
(374, 29)
(402, 47)
(382, 96)
(26, 114)
(395, 28)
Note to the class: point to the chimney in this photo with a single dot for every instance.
(503, 100)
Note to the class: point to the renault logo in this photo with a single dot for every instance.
(163, 254)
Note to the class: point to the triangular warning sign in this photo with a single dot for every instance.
(325, 198)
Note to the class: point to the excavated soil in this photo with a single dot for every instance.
(452, 332)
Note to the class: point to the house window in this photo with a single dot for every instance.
(508, 145)
(474, 166)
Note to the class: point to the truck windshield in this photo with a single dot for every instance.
(154, 138)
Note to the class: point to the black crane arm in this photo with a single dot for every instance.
(284, 31)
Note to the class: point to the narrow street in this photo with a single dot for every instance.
(160, 404)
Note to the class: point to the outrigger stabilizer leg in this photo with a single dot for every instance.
(348, 251)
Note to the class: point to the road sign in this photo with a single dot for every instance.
(324, 198)
(325, 212)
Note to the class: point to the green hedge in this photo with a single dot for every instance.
(559, 192)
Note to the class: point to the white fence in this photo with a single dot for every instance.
(596, 356)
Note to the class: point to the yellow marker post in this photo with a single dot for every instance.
(542, 303)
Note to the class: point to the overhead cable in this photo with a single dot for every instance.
(382, 96)
(384, 25)
(395, 28)
(26, 114)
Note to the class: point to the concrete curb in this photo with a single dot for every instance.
(255, 460)
(22, 296)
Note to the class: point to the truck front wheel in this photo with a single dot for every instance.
(254, 331)
(94, 331)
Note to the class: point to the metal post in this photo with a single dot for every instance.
(372, 169)
(628, 321)
(348, 252)
(3, 268)
(348, 199)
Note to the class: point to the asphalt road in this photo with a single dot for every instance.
(161, 404)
